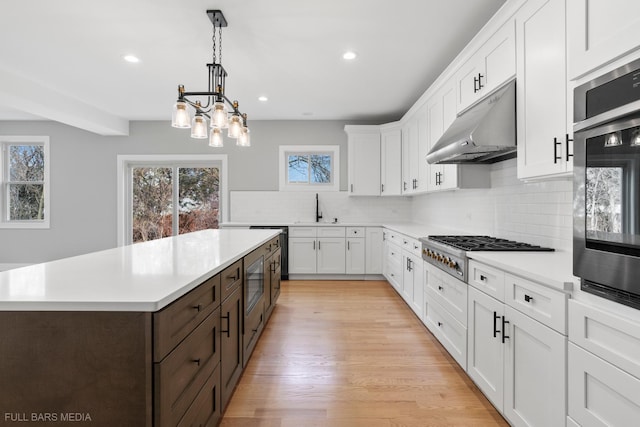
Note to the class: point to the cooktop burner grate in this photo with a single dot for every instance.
(486, 243)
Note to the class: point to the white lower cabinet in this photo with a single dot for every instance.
(374, 251)
(317, 250)
(535, 373)
(445, 311)
(355, 255)
(603, 367)
(517, 360)
(331, 255)
(412, 281)
(302, 255)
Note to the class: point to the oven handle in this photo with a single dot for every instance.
(607, 117)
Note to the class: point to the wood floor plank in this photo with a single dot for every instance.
(351, 353)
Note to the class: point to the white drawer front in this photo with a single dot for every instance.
(612, 337)
(394, 237)
(546, 305)
(355, 232)
(449, 292)
(331, 232)
(451, 334)
(302, 231)
(487, 279)
(599, 393)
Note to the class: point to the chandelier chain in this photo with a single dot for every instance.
(219, 43)
(215, 58)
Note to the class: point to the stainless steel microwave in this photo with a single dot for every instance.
(606, 232)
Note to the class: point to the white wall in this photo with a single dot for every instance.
(535, 212)
(83, 176)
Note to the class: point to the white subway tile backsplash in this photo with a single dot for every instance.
(534, 212)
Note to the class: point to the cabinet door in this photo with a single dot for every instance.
(230, 344)
(355, 262)
(331, 255)
(467, 79)
(391, 163)
(417, 295)
(600, 394)
(599, 32)
(407, 278)
(535, 372)
(406, 161)
(542, 90)
(373, 250)
(302, 255)
(364, 164)
(485, 357)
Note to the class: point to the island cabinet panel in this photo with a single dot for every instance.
(230, 344)
(94, 367)
(185, 371)
(173, 323)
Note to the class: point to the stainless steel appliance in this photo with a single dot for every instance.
(284, 247)
(606, 239)
(449, 252)
(486, 133)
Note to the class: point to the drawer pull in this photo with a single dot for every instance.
(440, 288)
(232, 277)
(504, 330)
(495, 324)
(483, 278)
(440, 324)
(228, 321)
(197, 307)
(196, 361)
(528, 298)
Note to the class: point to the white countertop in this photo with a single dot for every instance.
(141, 277)
(552, 269)
(299, 224)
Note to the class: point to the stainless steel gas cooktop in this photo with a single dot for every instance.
(486, 243)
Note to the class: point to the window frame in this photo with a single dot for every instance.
(286, 150)
(125, 194)
(5, 142)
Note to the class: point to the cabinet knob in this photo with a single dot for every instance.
(528, 298)
(196, 361)
(197, 307)
(440, 324)
(483, 278)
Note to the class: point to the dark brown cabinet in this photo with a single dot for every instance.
(231, 319)
(272, 273)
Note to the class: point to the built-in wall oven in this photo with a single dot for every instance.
(606, 242)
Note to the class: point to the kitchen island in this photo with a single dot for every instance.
(129, 336)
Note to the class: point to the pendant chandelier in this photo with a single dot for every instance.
(212, 104)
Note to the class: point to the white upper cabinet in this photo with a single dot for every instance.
(545, 144)
(364, 160)
(441, 112)
(391, 161)
(411, 156)
(599, 32)
(492, 65)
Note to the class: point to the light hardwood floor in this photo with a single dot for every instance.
(351, 353)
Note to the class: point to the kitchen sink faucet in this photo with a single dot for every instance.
(318, 213)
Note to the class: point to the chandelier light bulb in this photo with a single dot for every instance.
(199, 127)
(215, 140)
(219, 117)
(180, 117)
(245, 138)
(235, 126)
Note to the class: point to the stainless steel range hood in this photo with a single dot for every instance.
(486, 133)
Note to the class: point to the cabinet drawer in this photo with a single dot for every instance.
(412, 245)
(449, 292)
(394, 254)
(394, 237)
(599, 393)
(205, 410)
(487, 279)
(546, 305)
(230, 279)
(181, 375)
(270, 247)
(332, 232)
(451, 333)
(174, 322)
(612, 337)
(302, 231)
(355, 232)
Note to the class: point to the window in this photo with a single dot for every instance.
(309, 167)
(161, 196)
(24, 175)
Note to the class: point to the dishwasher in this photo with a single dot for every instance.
(284, 246)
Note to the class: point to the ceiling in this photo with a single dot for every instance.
(62, 60)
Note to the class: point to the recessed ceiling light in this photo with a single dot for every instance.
(263, 98)
(131, 58)
(349, 55)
